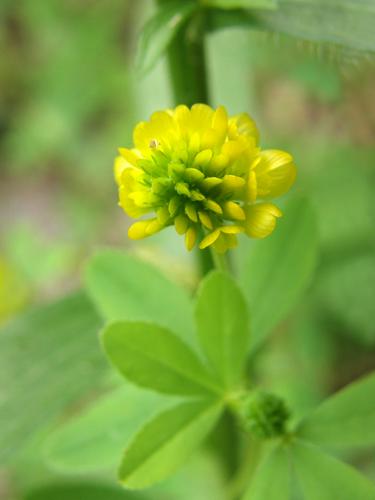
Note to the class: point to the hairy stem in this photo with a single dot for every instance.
(188, 76)
(187, 63)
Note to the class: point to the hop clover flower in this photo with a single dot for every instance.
(204, 173)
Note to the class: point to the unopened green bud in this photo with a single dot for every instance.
(264, 415)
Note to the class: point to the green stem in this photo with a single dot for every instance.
(220, 261)
(187, 62)
(187, 69)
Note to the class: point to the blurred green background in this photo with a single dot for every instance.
(70, 95)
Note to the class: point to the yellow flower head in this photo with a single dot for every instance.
(204, 173)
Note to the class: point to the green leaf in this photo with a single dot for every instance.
(223, 328)
(166, 442)
(344, 22)
(160, 30)
(272, 477)
(82, 491)
(323, 477)
(153, 357)
(279, 269)
(95, 439)
(49, 359)
(346, 419)
(347, 290)
(241, 4)
(126, 288)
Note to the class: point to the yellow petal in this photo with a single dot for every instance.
(143, 198)
(219, 161)
(163, 215)
(182, 188)
(137, 231)
(232, 183)
(211, 139)
(181, 224)
(174, 205)
(201, 116)
(196, 195)
(128, 204)
(225, 242)
(261, 219)
(129, 155)
(153, 227)
(205, 219)
(194, 143)
(244, 125)
(210, 182)
(159, 131)
(209, 239)
(234, 149)
(191, 212)
(203, 158)
(275, 173)
(190, 238)
(193, 123)
(213, 206)
(232, 210)
(182, 117)
(251, 187)
(232, 229)
(193, 175)
(220, 122)
(119, 166)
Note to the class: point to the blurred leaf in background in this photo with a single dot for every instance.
(40, 262)
(14, 292)
(50, 360)
(71, 111)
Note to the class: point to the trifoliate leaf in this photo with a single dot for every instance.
(346, 419)
(166, 442)
(223, 327)
(153, 357)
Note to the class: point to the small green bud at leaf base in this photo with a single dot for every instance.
(264, 415)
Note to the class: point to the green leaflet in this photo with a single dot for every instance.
(153, 357)
(323, 477)
(298, 466)
(95, 439)
(126, 288)
(346, 419)
(278, 269)
(160, 30)
(272, 478)
(166, 442)
(347, 23)
(49, 359)
(223, 329)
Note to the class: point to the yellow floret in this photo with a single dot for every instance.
(204, 173)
